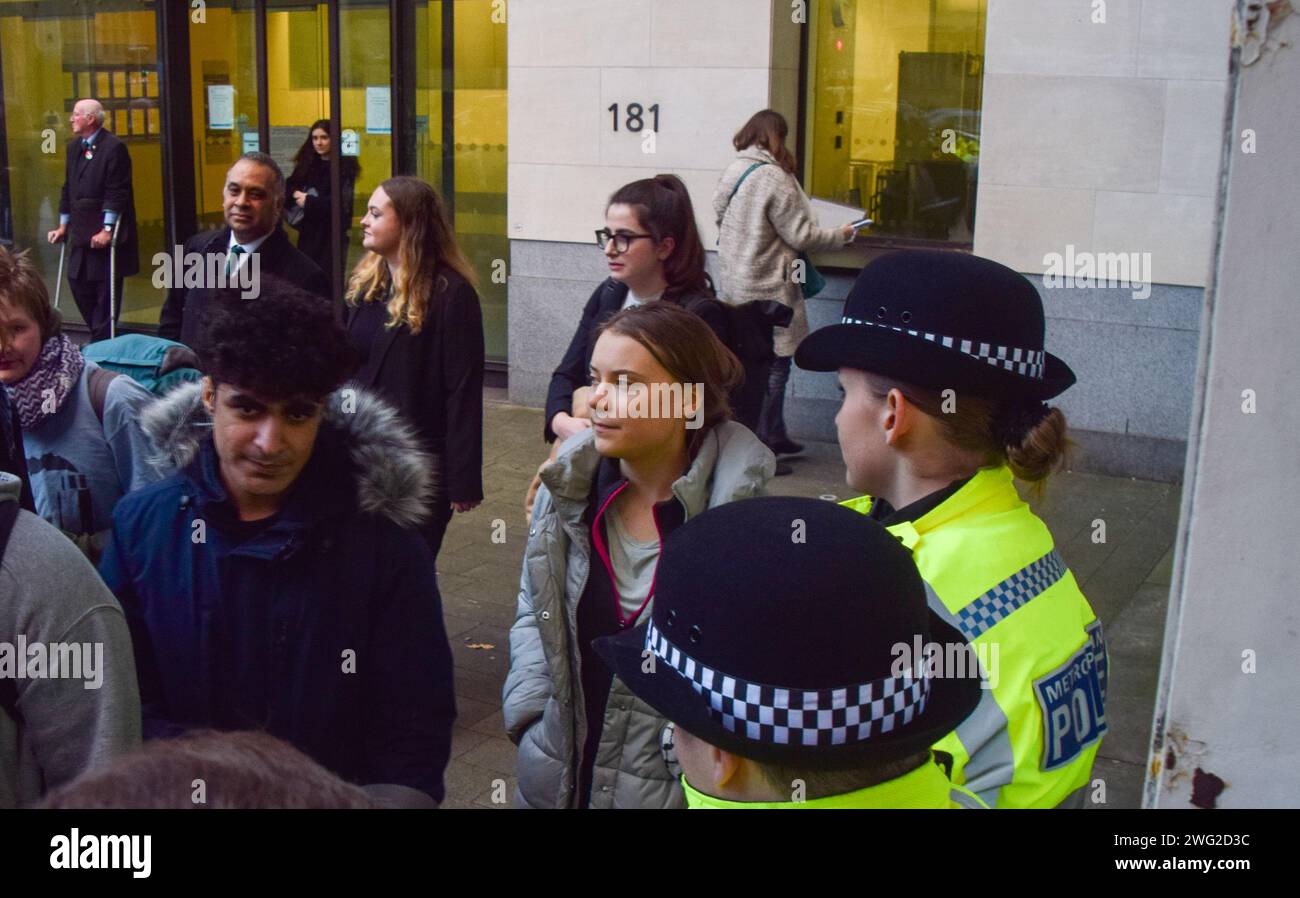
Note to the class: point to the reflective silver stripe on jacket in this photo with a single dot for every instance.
(1010, 594)
(984, 734)
(967, 802)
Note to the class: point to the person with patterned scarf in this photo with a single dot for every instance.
(80, 424)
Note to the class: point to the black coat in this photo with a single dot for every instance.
(253, 629)
(183, 312)
(435, 378)
(90, 188)
(314, 229)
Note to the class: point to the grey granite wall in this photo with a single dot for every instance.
(1135, 358)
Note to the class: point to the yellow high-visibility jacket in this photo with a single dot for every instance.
(925, 787)
(992, 570)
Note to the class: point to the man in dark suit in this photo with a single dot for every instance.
(252, 200)
(97, 194)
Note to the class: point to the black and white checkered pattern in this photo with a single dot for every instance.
(1027, 362)
(1010, 594)
(783, 716)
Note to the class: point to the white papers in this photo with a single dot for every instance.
(221, 107)
(379, 110)
(834, 215)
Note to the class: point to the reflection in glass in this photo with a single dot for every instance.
(49, 62)
(895, 90)
(461, 131)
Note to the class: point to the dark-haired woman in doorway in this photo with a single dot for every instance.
(307, 207)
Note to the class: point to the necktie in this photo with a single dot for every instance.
(232, 260)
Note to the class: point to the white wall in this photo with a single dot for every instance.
(707, 65)
(1102, 135)
(1227, 697)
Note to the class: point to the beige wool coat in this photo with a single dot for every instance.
(761, 232)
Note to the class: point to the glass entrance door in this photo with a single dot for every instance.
(51, 55)
(223, 99)
(460, 105)
(299, 94)
(258, 76)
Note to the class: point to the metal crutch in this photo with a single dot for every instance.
(58, 284)
(112, 282)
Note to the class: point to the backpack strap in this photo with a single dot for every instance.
(741, 180)
(97, 385)
(8, 516)
(732, 195)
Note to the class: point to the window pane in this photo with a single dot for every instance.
(223, 54)
(50, 61)
(461, 131)
(894, 101)
(364, 76)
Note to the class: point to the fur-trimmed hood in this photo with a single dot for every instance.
(394, 475)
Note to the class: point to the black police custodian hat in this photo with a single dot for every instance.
(943, 320)
(785, 652)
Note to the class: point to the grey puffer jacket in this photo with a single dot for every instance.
(543, 701)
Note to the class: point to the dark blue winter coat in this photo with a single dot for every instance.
(324, 629)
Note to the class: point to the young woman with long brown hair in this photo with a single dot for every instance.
(607, 503)
(413, 313)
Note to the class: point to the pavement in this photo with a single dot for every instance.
(1125, 577)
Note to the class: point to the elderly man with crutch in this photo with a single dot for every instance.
(97, 219)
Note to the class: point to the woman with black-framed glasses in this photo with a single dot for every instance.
(622, 240)
(653, 251)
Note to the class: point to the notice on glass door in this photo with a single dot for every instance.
(221, 107)
(379, 110)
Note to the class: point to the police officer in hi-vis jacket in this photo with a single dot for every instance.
(945, 379)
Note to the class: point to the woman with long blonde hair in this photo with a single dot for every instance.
(413, 313)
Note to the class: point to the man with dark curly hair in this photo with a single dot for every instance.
(276, 582)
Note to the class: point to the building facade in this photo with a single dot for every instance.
(1074, 140)
(1024, 130)
(412, 88)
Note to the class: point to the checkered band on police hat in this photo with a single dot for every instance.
(784, 716)
(1026, 362)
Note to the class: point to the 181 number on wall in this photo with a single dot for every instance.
(635, 115)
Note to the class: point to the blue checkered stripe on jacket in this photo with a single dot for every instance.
(784, 716)
(1012, 593)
